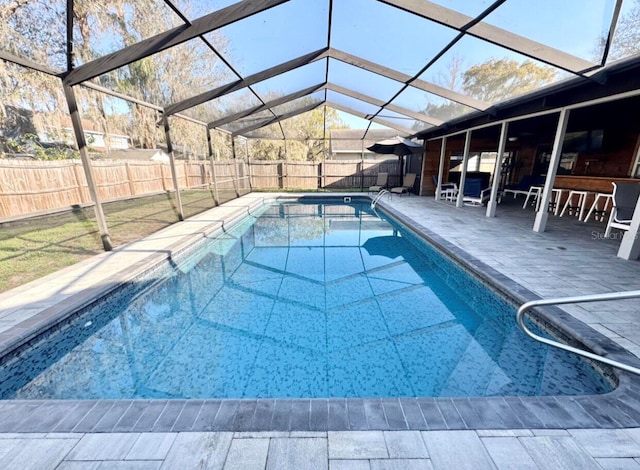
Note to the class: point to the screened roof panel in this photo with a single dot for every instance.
(272, 131)
(276, 35)
(157, 80)
(317, 98)
(403, 120)
(466, 7)
(104, 27)
(360, 80)
(373, 49)
(356, 122)
(351, 103)
(626, 41)
(387, 35)
(223, 106)
(308, 125)
(572, 26)
(195, 9)
(429, 104)
(488, 72)
(260, 119)
(292, 81)
(43, 44)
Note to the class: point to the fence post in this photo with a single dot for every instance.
(249, 172)
(164, 186)
(235, 166)
(132, 188)
(76, 172)
(285, 175)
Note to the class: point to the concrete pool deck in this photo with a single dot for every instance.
(569, 259)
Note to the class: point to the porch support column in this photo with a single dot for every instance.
(216, 200)
(497, 171)
(76, 122)
(463, 173)
(172, 165)
(630, 244)
(443, 151)
(542, 215)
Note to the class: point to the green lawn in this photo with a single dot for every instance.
(36, 247)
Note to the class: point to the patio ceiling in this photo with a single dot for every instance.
(402, 64)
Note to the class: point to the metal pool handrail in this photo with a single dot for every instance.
(574, 300)
(378, 197)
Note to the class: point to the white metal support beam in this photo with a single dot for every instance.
(630, 244)
(463, 173)
(497, 171)
(443, 153)
(76, 121)
(542, 215)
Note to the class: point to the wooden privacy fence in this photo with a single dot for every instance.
(35, 187)
(330, 174)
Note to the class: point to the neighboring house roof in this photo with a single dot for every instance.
(350, 140)
(156, 155)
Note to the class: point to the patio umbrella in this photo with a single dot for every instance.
(396, 146)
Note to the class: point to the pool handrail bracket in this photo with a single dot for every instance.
(378, 196)
(520, 317)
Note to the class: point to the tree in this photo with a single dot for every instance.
(626, 41)
(102, 27)
(491, 81)
(305, 132)
(498, 79)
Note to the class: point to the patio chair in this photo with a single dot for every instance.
(409, 180)
(625, 197)
(473, 194)
(381, 182)
(448, 191)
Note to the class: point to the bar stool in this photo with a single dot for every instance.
(534, 191)
(598, 214)
(575, 203)
(556, 200)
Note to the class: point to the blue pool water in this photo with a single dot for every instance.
(316, 299)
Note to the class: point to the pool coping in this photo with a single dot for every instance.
(619, 408)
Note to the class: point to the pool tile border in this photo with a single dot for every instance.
(617, 409)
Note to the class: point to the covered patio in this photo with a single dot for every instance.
(555, 141)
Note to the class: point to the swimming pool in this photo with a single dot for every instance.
(312, 299)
